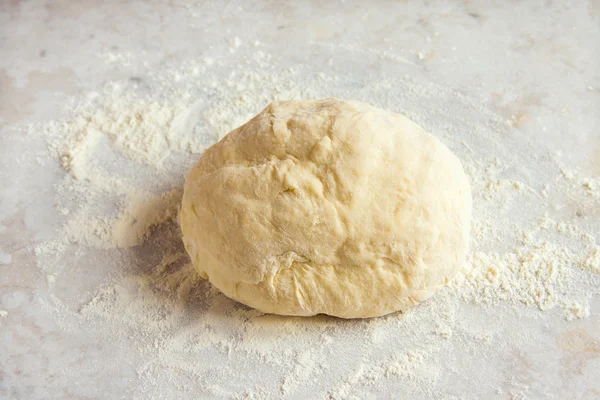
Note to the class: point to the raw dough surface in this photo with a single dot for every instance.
(327, 206)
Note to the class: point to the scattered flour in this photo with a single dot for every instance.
(126, 150)
(538, 272)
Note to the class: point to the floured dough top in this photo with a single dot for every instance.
(327, 206)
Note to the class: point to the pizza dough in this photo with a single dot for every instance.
(327, 206)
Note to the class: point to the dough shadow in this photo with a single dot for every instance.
(161, 263)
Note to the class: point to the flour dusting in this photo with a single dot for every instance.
(125, 150)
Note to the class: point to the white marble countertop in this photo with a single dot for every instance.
(533, 63)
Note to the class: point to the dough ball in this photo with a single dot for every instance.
(327, 206)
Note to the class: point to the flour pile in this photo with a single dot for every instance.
(125, 150)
